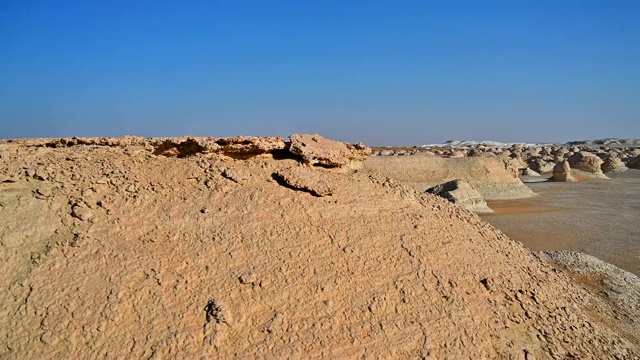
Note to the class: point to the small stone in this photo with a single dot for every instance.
(81, 212)
(42, 193)
(236, 175)
(249, 278)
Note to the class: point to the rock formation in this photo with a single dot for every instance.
(303, 178)
(493, 177)
(634, 163)
(613, 164)
(587, 164)
(462, 194)
(541, 166)
(314, 149)
(125, 251)
(562, 172)
(541, 158)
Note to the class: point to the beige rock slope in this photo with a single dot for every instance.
(110, 251)
(494, 178)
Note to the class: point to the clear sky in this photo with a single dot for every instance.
(383, 72)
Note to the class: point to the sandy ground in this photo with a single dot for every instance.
(597, 217)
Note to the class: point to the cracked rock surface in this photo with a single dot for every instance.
(111, 250)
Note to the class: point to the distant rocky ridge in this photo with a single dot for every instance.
(498, 144)
(607, 142)
(471, 143)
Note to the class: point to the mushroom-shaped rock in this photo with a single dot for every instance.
(462, 194)
(613, 164)
(562, 172)
(541, 166)
(315, 149)
(586, 161)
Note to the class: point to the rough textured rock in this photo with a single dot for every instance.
(314, 149)
(562, 172)
(586, 161)
(634, 163)
(493, 177)
(179, 262)
(620, 288)
(541, 166)
(529, 172)
(306, 179)
(518, 164)
(462, 194)
(613, 164)
(236, 175)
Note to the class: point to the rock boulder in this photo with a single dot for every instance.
(586, 161)
(613, 164)
(317, 150)
(461, 193)
(562, 172)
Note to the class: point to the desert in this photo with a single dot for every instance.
(301, 247)
(320, 180)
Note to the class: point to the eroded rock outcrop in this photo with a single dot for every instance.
(587, 164)
(317, 150)
(493, 177)
(306, 179)
(562, 172)
(634, 163)
(175, 260)
(541, 158)
(613, 164)
(462, 194)
(541, 166)
(311, 149)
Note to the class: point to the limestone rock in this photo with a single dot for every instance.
(613, 164)
(586, 161)
(176, 270)
(562, 172)
(306, 179)
(461, 193)
(315, 149)
(236, 175)
(634, 163)
(492, 176)
(529, 172)
(81, 211)
(541, 166)
(518, 164)
(250, 145)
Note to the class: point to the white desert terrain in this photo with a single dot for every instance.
(283, 248)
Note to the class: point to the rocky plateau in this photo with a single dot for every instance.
(304, 247)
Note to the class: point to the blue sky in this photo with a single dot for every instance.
(383, 72)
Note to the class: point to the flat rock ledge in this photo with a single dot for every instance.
(462, 194)
(310, 149)
(305, 179)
